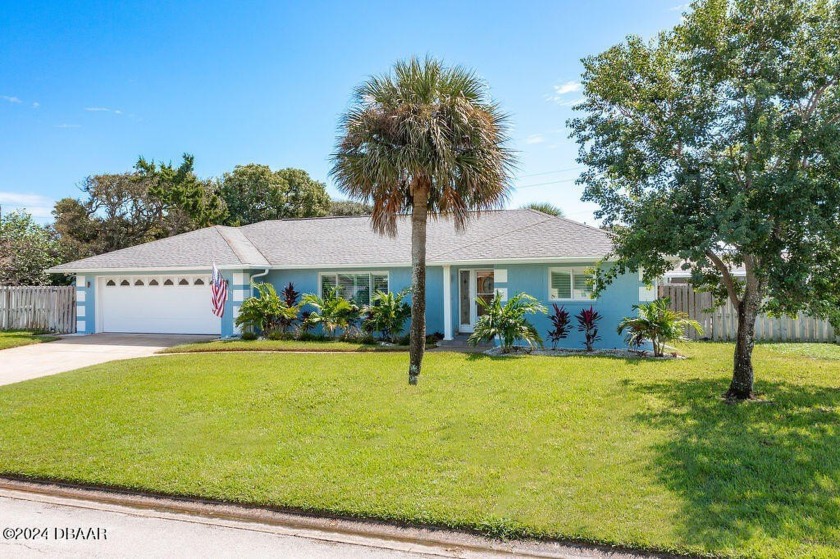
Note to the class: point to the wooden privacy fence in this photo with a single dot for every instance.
(721, 323)
(38, 308)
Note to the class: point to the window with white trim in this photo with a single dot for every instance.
(358, 287)
(569, 284)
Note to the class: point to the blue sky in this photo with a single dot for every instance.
(86, 88)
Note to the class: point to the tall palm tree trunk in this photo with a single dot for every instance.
(419, 214)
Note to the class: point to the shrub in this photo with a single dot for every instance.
(265, 312)
(587, 320)
(658, 324)
(562, 325)
(332, 311)
(507, 322)
(290, 297)
(249, 336)
(387, 314)
(304, 324)
(433, 339)
(307, 336)
(278, 335)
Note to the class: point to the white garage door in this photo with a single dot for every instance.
(157, 305)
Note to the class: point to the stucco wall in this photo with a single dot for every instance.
(306, 281)
(615, 303)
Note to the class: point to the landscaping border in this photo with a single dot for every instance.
(463, 538)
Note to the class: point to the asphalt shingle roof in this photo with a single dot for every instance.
(350, 241)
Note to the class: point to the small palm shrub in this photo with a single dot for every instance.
(332, 311)
(265, 312)
(507, 321)
(561, 325)
(587, 320)
(656, 323)
(387, 314)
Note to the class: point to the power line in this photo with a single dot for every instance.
(553, 172)
(545, 183)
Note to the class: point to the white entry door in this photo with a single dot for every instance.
(473, 285)
(156, 305)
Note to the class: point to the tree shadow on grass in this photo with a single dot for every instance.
(519, 357)
(754, 470)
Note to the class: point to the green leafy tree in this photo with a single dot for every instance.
(183, 201)
(423, 140)
(305, 197)
(387, 314)
(255, 193)
(116, 212)
(332, 311)
(658, 324)
(349, 208)
(27, 250)
(544, 207)
(126, 209)
(507, 321)
(266, 312)
(717, 142)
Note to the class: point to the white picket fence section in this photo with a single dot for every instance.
(721, 323)
(38, 308)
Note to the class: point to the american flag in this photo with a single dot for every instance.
(218, 288)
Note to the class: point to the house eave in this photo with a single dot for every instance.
(148, 269)
(335, 266)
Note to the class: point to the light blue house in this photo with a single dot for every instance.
(163, 286)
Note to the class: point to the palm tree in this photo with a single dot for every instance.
(545, 207)
(426, 140)
(658, 324)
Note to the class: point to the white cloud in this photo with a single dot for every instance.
(568, 87)
(10, 99)
(68, 125)
(679, 8)
(39, 206)
(535, 139)
(103, 110)
(35, 104)
(569, 102)
(561, 92)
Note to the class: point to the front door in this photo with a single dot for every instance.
(473, 285)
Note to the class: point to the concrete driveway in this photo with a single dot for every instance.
(73, 352)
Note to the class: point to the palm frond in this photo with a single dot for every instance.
(424, 125)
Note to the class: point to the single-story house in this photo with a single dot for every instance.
(163, 286)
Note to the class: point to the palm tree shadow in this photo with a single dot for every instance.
(750, 470)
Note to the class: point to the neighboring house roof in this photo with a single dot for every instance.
(350, 241)
(678, 272)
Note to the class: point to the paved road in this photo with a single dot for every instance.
(73, 352)
(130, 532)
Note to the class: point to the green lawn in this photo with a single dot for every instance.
(629, 452)
(15, 338)
(278, 345)
(816, 351)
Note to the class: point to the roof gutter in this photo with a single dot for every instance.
(260, 275)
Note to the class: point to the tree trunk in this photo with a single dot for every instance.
(419, 214)
(741, 387)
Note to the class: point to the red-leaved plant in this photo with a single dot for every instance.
(290, 297)
(587, 320)
(562, 323)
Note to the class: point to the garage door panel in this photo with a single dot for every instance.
(162, 309)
